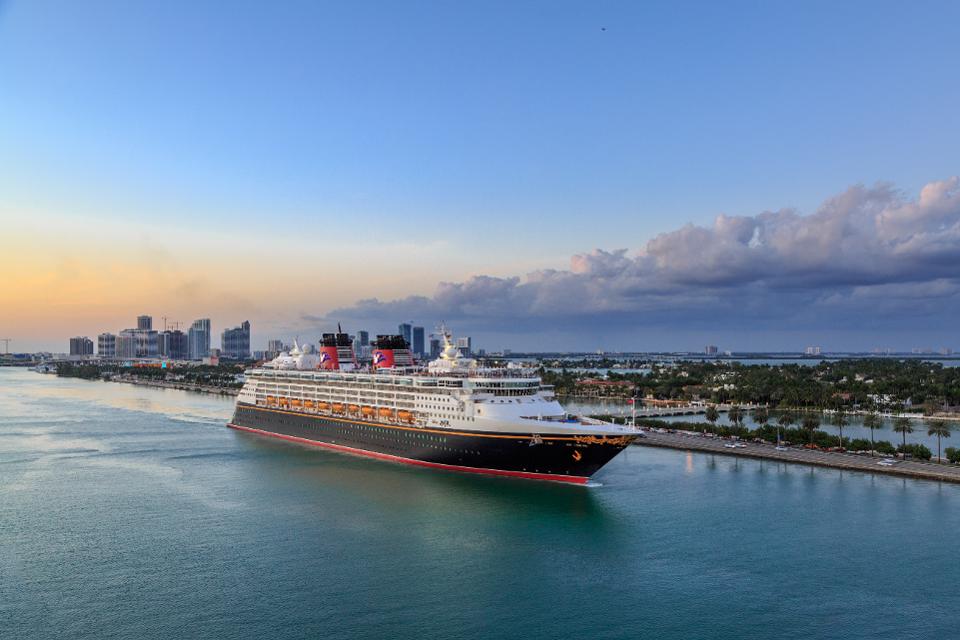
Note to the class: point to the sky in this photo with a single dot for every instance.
(541, 176)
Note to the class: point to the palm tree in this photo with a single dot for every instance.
(872, 421)
(784, 420)
(712, 415)
(761, 416)
(810, 423)
(736, 415)
(941, 429)
(902, 425)
(839, 420)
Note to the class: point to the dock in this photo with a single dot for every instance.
(689, 441)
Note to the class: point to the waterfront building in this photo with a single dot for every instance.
(198, 339)
(235, 343)
(465, 346)
(107, 345)
(812, 351)
(173, 345)
(81, 346)
(418, 341)
(711, 350)
(126, 345)
(144, 323)
(434, 348)
(406, 330)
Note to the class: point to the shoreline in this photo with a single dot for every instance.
(914, 469)
(180, 386)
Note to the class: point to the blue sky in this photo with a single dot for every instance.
(397, 145)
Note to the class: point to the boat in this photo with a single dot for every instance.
(450, 413)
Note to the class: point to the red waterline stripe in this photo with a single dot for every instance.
(419, 463)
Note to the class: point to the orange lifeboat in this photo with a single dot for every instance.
(385, 412)
(367, 411)
(284, 402)
(295, 402)
(406, 416)
(353, 408)
(338, 408)
(308, 404)
(271, 400)
(323, 406)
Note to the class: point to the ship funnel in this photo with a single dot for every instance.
(336, 352)
(391, 351)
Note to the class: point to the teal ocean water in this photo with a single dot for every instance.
(134, 513)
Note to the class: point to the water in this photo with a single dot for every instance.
(128, 512)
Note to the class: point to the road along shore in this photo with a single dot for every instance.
(797, 455)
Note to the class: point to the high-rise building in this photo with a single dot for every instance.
(275, 345)
(710, 350)
(418, 341)
(126, 345)
(465, 345)
(173, 345)
(107, 345)
(363, 338)
(198, 339)
(235, 343)
(406, 330)
(144, 323)
(434, 348)
(81, 346)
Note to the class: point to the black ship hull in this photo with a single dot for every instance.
(563, 458)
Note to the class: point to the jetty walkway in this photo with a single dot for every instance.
(690, 441)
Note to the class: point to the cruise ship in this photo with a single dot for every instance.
(450, 414)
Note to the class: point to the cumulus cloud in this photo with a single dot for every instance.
(863, 245)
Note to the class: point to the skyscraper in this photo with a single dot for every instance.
(173, 345)
(126, 345)
(81, 346)
(465, 345)
(434, 348)
(418, 341)
(144, 323)
(235, 343)
(198, 339)
(363, 338)
(406, 330)
(107, 345)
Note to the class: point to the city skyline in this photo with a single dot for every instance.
(540, 177)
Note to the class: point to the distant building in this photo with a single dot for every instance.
(711, 350)
(144, 323)
(235, 343)
(812, 351)
(465, 346)
(173, 345)
(363, 339)
(434, 348)
(406, 330)
(418, 341)
(107, 345)
(275, 345)
(81, 346)
(126, 345)
(198, 339)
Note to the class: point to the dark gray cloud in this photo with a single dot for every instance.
(867, 251)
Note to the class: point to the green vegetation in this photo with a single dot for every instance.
(941, 429)
(223, 376)
(953, 455)
(864, 384)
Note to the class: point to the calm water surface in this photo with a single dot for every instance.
(133, 513)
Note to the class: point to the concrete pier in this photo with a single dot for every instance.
(850, 461)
